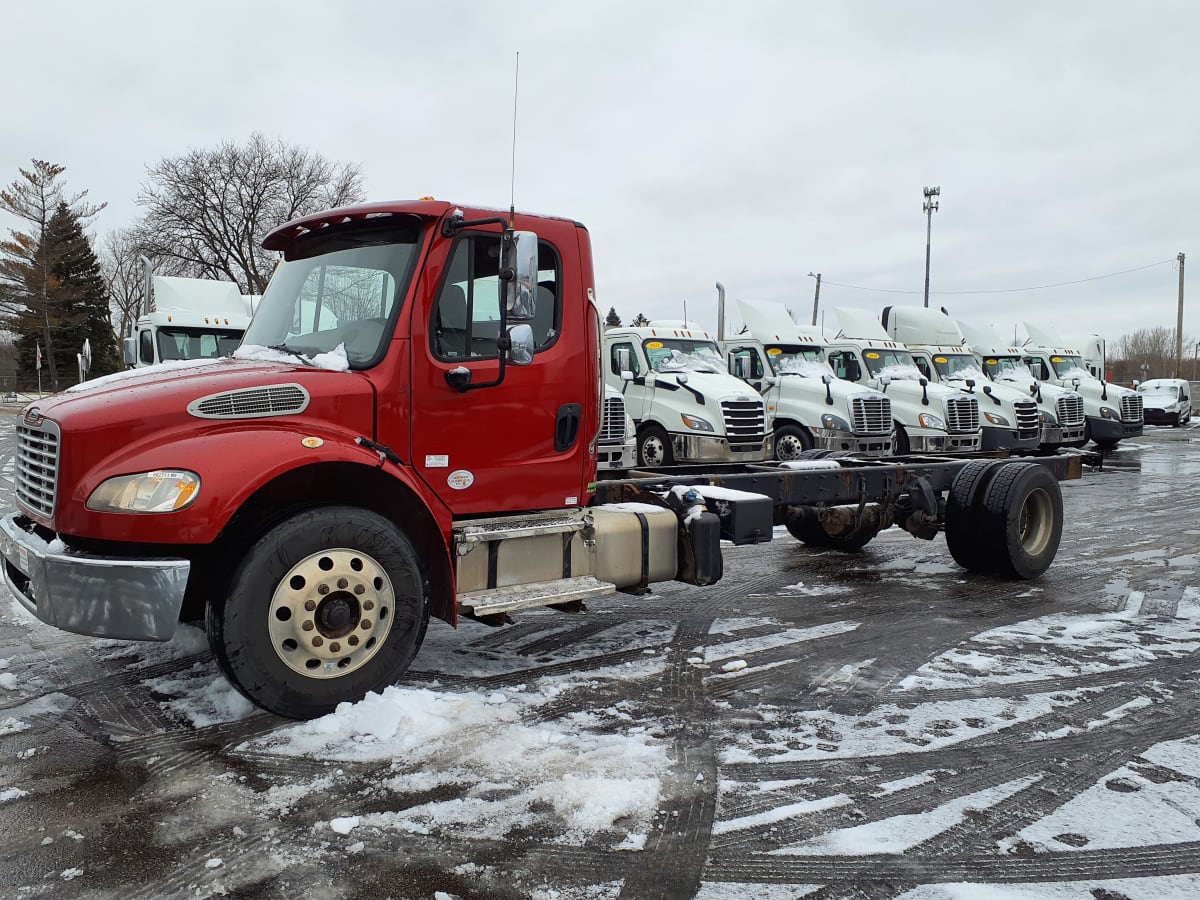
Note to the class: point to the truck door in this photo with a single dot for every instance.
(745, 363)
(635, 392)
(522, 444)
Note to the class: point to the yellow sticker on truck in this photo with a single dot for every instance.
(871, 355)
(654, 345)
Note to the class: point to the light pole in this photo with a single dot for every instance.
(816, 294)
(929, 207)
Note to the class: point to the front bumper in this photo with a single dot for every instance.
(922, 441)
(1160, 417)
(1054, 435)
(996, 437)
(1109, 431)
(102, 596)
(694, 448)
(616, 456)
(873, 445)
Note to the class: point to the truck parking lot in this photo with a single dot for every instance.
(815, 725)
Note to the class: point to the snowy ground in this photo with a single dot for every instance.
(881, 725)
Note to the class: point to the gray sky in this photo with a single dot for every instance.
(698, 141)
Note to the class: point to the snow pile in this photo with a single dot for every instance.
(334, 361)
(805, 368)
(510, 772)
(900, 372)
(202, 696)
(701, 359)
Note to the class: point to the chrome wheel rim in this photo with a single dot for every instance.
(331, 613)
(653, 451)
(788, 446)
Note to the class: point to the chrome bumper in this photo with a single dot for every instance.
(616, 456)
(102, 596)
(1061, 434)
(693, 448)
(829, 439)
(944, 443)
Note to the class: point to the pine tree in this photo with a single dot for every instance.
(612, 320)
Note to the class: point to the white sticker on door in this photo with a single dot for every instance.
(439, 461)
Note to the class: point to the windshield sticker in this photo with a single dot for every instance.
(939, 359)
(460, 479)
(871, 355)
(774, 351)
(990, 362)
(1056, 359)
(654, 345)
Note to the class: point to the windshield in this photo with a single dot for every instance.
(794, 359)
(1168, 390)
(957, 366)
(893, 363)
(338, 290)
(683, 355)
(1069, 367)
(197, 343)
(1007, 368)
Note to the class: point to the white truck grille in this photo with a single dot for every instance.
(1131, 408)
(1029, 420)
(1070, 410)
(37, 466)
(962, 415)
(870, 415)
(745, 420)
(612, 421)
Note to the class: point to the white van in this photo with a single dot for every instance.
(1166, 401)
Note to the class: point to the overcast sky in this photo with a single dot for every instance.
(748, 143)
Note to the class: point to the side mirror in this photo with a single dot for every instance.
(520, 353)
(923, 381)
(622, 359)
(626, 375)
(519, 274)
(681, 378)
(146, 346)
(743, 367)
(827, 379)
(885, 380)
(129, 352)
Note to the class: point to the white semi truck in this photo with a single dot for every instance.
(812, 408)
(929, 418)
(1113, 412)
(685, 404)
(1009, 417)
(187, 318)
(1061, 410)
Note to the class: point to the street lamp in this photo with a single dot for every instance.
(929, 207)
(816, 294)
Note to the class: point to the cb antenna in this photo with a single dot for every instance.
(512, 201)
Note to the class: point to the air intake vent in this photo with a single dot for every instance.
(871, 415)
(252, 403)
(1070, 410)
(1131, 408)
(962, 415)
(745, 420)
(612, 428)
(1029, 420)
(36, 470)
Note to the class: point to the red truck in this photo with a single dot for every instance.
(419, 440)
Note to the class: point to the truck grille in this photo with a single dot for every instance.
(37, 466)
(1029, 420)
(871, 415)
(1131, 408)
(612, 421)
(1070, 410)
(962, 415)
(745, 420)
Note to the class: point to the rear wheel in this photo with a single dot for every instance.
(791, 441)
(326, 606)
(964, 534)
(1022, 519)
(654, 446)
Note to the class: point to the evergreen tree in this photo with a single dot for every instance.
(640, 321)
(612, 320)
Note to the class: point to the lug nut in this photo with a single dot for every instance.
(352, 640)
(359, 589)
(366, 624)
(368, 604)
(318, 641)
(335, 647)
(323, 589)
(308, 625)
(310, 605)
(342, 584)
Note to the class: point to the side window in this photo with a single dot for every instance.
(1040, 372)
(841, 363)
(923, 367)
(616, 366)
(746, 360)
(466, 317)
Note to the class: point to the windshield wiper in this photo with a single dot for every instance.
(284, 348)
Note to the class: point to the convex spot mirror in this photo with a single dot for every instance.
(519, 274)
(520, 352)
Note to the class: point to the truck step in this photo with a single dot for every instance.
(528, 596)
(507, 527)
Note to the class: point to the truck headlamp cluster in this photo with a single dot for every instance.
(1107, 413)
(696, 423)
(929, 420)
(993, 419)
(834, 423)
(147, 492)
(1048, 419)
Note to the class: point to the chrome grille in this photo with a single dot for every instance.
(745, 420)
(1131, 408)
(871, 415)
(252, 403)
(1029, 420)
(612, 422)
(1070, 409)
(37, 467)
(962, 415)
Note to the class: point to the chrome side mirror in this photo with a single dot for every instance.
(519, 274)
(743, 367)
(129, 352)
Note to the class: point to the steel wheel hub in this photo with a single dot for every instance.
(788, 447)
(653, 451)
(331, 613)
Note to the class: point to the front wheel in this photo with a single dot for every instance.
(326, 606)
(791, 442)
(654, 446)
(900, 445)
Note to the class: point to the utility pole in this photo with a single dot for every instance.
(816, 295)
(1179, 325)
(929, 208)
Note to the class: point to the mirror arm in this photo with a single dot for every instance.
(454, 224)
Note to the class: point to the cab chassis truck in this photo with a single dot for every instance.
(408, 430)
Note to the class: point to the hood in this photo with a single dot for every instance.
(713, 385)
(911, 391)
(770, 323)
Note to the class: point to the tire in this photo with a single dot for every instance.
(791, 442)
(1178, 420)
(964, 538)
(900, 443)
(326, 606)
(1022, 519)
(654, 447)
(807, 529)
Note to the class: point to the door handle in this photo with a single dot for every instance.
(566, 426)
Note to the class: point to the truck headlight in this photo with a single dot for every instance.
(696, 423)
(834, 423)
(1106, 413)
(163, 490)
(994, 419)
(929, 420)
(1048, 419)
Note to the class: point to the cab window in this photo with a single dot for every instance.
(466, 316)
(923, 367)
(754, 361)
(615, 365)
(845, 364)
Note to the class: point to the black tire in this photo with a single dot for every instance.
(326, 606)
(900, 445)
(792, 442)
(807, 528)
(1178, 420)
(1022, 519)
(964, 504)
(654, 446)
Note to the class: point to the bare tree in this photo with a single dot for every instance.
(1147, 352)
(210, 209)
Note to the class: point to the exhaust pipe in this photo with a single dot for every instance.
(149, 269)
(720, 312)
